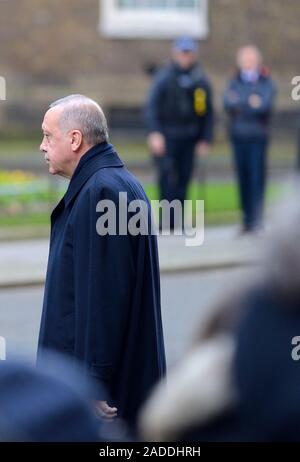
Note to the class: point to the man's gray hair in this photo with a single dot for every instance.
(84, 114)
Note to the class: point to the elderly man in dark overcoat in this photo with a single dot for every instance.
(102, 292)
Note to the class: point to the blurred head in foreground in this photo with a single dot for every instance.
(48, 404)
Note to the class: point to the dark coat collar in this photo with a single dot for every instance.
(99, 156)
(261, 76)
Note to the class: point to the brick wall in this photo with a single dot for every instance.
(49, 49)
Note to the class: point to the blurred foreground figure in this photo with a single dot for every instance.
(48, 404)
(102, 293)
(241, 380)
(248, 101)
(179, 119)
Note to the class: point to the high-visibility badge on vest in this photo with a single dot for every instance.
(200, 101)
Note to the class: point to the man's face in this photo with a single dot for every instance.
(248, 59)
(184, 59)
(56, 145)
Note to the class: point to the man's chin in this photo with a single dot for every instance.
(52, 171)
(56, 172)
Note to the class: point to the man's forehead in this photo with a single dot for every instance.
(51, 118)
(249, 51)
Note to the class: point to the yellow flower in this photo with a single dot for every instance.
(16, 177)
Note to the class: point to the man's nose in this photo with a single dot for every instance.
(42, 149)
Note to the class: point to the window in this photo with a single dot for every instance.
(153, 18)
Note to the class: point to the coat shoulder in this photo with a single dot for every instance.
(108, 183)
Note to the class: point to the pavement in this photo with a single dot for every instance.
(23, 263)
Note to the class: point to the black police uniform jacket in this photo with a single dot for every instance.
(180, 104)
(102, 293)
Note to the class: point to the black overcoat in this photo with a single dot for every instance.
(102, 293)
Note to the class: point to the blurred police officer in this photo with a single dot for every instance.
(248, 100)
(179, 118)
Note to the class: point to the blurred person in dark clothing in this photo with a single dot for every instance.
(179, 119)
(46, 404)
(248, 101)
(240, 381)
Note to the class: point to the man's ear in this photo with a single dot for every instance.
(76, 140)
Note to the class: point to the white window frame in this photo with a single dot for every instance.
(157, 23)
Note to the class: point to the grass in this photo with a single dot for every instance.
(221, 200)
(218, 197)
(221, 207)
(31, 226)
(31, 219)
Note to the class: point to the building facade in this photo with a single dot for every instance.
(107, 48)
